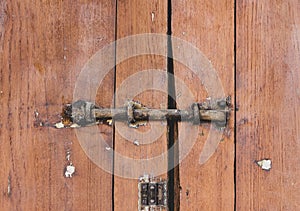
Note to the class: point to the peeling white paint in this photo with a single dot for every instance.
(68, 156)
(36, 114)
(70, 170)
(265, 164)
(59, 125)
(74, 125)
(109, 122)
(152, 16)
(9, 186)
(136, 143)
(137, 124)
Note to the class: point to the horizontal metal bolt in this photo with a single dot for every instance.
(83, 113)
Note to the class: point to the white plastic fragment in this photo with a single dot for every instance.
(70, 169)
(265, 164)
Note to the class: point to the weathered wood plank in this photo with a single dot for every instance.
(135, 17)
(208, 26)
(268, 122)
(44, 45)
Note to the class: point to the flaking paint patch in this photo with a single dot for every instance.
(265, 164)
(9, 185)
(152, 16)
(59, 125)
(136, 143)
(68, 155)
(70, 170)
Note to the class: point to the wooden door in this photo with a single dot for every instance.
(248, 50)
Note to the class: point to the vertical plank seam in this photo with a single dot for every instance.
(114, 104)
(235, 106)
(172, 134)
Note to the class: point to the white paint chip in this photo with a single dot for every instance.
(9, 186)
(136, 143)
(137, 124)
(70, 169)
(68, 156)
(74, 125)
(36, 114)
(59, 125)
(265, 164)
(152, 16)
(108, 148)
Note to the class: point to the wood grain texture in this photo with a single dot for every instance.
(209, 26)
(43, 46)
(136, 17)
(268, 122)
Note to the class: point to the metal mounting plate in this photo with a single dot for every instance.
(152, 194)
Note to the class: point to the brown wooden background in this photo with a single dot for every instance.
(255, 48)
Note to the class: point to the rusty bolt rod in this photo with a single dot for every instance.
(120, 114)
(85, 113)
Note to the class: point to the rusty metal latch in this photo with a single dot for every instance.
(83, 113)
